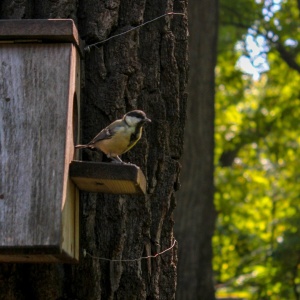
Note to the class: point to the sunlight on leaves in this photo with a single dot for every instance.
(257, 177)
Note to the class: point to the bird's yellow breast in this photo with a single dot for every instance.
(119, 143)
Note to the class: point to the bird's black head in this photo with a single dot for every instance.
(135, 117)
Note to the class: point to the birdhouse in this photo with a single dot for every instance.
(39, 115)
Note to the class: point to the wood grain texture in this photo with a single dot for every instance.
(70, 195)
(108, 177)
(45, 30)
(34, 141)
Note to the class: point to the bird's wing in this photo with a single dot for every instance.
(106, 133)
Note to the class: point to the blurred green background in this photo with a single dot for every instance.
(257, 173)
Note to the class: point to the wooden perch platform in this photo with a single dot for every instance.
(108, 177)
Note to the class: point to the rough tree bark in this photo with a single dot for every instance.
(195, 214)
(143, 69)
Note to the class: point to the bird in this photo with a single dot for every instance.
(120, 136)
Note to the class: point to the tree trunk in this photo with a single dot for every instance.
(195, 214)
(144, 69)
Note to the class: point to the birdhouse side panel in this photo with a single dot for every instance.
(33, 111)
(70, 204)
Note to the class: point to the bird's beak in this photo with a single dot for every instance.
(147, 120)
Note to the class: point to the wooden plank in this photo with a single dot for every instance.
(70, 195)
(29, 254)
(59, 30)
(36, 257)
(33, 110)
(21, 258)
(39, 122)
(108, 177)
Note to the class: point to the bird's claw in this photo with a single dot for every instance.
(119, 161)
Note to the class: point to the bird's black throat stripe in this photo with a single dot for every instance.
(137, 133)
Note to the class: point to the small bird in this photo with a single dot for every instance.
(120, 136)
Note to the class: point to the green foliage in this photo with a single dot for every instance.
(257, 177)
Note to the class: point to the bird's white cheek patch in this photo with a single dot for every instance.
(131, 121)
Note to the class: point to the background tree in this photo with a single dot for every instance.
(195, 214)
(257, 144)
(143, 69)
